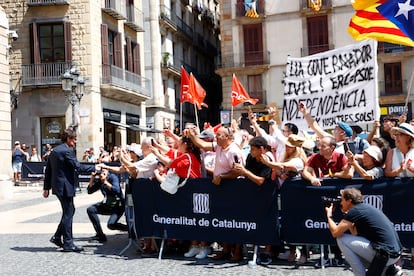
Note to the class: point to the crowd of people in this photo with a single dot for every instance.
(20, 154)
(274, 153)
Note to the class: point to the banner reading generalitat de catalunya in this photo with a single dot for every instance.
(337, 85)
(236, 211)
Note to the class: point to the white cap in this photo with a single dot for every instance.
(374, 152)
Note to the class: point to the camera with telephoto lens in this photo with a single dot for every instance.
(327, 201)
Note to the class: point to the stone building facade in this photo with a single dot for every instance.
(117, 47)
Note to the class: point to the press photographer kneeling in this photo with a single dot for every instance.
(373, 242)
(113, 203)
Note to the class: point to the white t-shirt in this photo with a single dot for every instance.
(225, 158)
(146, 166)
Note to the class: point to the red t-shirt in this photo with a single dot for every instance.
(173, 153)
(320, 164)
(182, 163)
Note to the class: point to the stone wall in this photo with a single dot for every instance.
(5, 124)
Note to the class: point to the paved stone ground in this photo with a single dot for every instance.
(27, 221)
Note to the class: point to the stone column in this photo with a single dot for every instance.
(6, 185)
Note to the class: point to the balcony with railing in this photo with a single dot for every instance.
(306, 5)
(184, 28)
(44, 74)
(166, 17)
(389, 48)
(243, 10)
(128, 83)
(392, 87)
(115, 8)
(240, 60)
(47, 2)
(135, 18)
(171, 65)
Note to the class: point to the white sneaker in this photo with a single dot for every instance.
(204, 251)
(194, 250)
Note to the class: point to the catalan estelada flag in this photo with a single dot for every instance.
(383, 20)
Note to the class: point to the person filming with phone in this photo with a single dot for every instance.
(113, 203)
(372, 163)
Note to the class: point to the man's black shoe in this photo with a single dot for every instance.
(99, 238)
(57, 241)
(72, 248)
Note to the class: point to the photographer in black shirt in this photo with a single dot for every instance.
(373, 239)
(113, 203)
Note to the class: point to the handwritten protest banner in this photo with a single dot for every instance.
(337, 85)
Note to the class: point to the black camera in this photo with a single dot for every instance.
(327, 201)
(98, 172)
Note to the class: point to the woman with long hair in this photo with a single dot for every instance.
(294, 159)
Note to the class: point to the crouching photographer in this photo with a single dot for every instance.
(373, 247)
(113, 203)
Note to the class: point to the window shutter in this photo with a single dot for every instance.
(67, 27)
(106, 69)
(129, 55)
(104, 42)
(137, 60)
(35, 44)
(118, 50)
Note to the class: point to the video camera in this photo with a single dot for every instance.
(327, 201)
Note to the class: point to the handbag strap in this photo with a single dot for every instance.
(189, 167)
(188, 173)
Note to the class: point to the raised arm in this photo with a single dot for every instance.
(312, 123)
(207, 146)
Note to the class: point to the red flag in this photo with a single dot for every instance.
(239, 94)
(197, 91)
(185, 83)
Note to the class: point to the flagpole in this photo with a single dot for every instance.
(196, 115)
(181, 117)
(231, 99)
(408, 92)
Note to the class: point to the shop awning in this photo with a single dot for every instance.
(135, 127)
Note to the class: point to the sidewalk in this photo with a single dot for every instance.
(28, 221)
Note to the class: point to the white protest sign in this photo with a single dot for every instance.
(337, 85)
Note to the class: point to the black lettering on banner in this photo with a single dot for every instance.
(351, 59)
(359, 75)
(318, 67)
(328, 104)
(302, 87)
(337, 85)
(295, 69)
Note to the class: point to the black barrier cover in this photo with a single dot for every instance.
(304, 218)
(236, 211)
(36, 170)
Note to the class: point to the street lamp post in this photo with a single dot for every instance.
(73, 86)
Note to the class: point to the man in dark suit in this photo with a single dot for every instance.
(60, 174)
